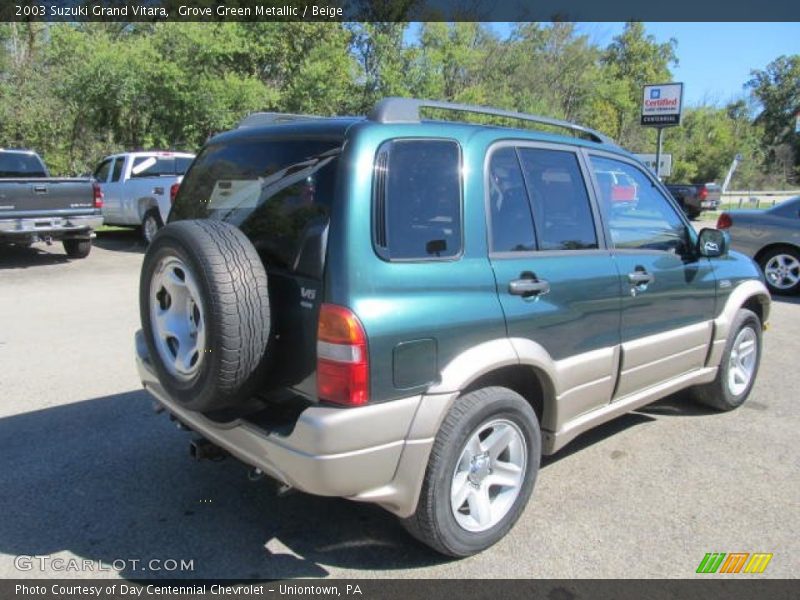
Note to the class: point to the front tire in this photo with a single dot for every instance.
(480, 474)
(781, 268)
(77, 248)
(738, 368)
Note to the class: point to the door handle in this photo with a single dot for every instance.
(640, 277)
(528, 286)
(40, 189)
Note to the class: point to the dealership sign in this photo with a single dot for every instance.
(662, 104)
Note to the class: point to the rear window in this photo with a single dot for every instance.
(417, 189)
(20, 164)
(279, 193)
(159, 166)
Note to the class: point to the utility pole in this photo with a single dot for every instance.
(658, 152)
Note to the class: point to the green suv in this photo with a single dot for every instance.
(411, 312)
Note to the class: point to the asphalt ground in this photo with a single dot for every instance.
(89, 472)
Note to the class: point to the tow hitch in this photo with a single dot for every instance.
(202, 449)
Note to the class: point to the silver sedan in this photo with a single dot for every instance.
(772, 238)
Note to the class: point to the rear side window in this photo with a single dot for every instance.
(509, 211)
(117, 172)
(417, 209)
(561, 210)
(20, 164)
(278, 192)
(159, 166)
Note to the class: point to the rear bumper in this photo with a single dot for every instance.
(53, 227)
(373, 453)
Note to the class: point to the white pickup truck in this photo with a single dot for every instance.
(139, 187)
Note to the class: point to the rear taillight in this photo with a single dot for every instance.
(342, 364)
(97, 195)
(703, 193)
(724, 221)
(173, 192)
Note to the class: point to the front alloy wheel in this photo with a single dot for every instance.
(742, 360)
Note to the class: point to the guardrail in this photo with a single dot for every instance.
(756, 198)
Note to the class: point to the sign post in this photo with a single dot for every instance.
(662, 106)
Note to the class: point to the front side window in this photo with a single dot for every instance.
(639, 216)
(561, 210)
(417, 208)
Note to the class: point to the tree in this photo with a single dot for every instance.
(632, 60)
(778, 89)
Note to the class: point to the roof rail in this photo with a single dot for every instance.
(259, 119)
(407, 110)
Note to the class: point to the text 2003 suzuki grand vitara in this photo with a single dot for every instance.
(411, 312)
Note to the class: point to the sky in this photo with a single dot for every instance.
(715, 59)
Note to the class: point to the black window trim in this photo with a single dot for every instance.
(382, 251)
(578, 151)
(653, 180)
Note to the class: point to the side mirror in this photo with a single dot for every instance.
(713, 243)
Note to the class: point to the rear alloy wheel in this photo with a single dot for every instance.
(151, 223)
(77, 248)
(480, 474)
(781, 268)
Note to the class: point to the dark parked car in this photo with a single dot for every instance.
(411, 312)
(695, 198)
(772, 238)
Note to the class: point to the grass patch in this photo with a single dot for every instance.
(105, 228)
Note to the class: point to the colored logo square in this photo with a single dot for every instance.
(655, 94)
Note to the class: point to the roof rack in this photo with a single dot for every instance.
(407, 110)
(259, 119)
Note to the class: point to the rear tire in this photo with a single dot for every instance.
(205, 313)
(151, 224)
(738, 368)
(781, 268)
(77, 248)
(464, 474)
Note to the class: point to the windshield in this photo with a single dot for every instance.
(159, 166)
(21, 164)
(279, 193)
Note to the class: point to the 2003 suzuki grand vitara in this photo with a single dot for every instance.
(411, 312)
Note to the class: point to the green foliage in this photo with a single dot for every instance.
(76, 92)
(778, 89)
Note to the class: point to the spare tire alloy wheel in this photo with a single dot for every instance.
(177, 315)
(204, 305)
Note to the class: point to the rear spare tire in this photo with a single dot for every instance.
(205, 313)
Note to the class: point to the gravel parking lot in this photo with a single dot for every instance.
(88, 471)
